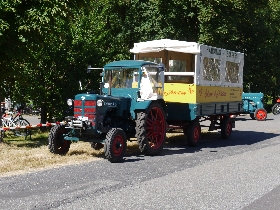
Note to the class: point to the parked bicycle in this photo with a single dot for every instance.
(9, 120)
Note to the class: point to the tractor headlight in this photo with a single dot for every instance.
(99, 102)
(69, 102)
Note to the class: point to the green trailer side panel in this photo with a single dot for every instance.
(188, 112)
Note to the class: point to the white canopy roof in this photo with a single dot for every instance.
(166, 44)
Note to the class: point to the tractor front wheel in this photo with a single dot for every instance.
(57, 144)
(260, 114)
(115, 145)
(151, 129)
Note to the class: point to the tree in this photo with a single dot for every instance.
(252, 28)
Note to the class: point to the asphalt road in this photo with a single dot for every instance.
(242, 172)
(33, 120)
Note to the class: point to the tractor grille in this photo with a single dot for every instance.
(85, 108)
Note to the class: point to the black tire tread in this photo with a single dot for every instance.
(189, 133)
(53, 140)
(143, 142)
(274, 109)
(108, 145)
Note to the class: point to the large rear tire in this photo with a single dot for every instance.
(260, 114)
(57, 143)
(193, 132)
(115, 145)
(151, 129)
(226, 127)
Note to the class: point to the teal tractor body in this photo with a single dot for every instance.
(129, 106)
(253, 104)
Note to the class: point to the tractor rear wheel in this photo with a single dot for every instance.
(193, 132)
(260, 114)
(115, 145)
(57, 143)
(151, 129)
(226, 127)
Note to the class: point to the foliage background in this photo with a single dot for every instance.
(46, 45)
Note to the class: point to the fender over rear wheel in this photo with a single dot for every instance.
(57, 143)
(115, 145)
(151, 129)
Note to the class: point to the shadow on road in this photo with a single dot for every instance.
(178, 144)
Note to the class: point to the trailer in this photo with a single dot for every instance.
(202, 83)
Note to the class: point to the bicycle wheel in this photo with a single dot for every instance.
(22, 131)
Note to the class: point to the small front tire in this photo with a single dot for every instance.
(115, 145)
(57, 143)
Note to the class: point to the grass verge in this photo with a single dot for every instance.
(19, 155)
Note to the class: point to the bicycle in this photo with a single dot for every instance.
(16, 123)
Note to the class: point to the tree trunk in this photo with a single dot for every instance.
(43, 115)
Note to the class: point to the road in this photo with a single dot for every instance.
(242, 172)
(33, 120)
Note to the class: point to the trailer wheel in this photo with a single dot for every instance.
(151, 129)
(115, 145)
(96, 146)
(260, 114)
(193, 132)
(226, 127)
(57, 144)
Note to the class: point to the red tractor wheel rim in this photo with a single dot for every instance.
(155, 129)
(196, 134)
(261, 114)
(118, 144)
